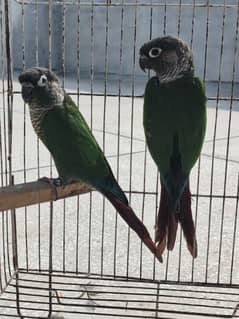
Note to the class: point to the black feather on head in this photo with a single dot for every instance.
(33, 75)
(169, 57)
(40, 86)
(42, 91)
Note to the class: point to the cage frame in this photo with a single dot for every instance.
(10, 220)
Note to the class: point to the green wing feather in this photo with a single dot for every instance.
(75, 150)
(70, 141)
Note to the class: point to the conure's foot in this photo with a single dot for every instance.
(53, 182)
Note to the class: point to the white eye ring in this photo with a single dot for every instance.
(154, 52)
(42, 81)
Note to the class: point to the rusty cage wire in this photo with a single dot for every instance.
(76, 256)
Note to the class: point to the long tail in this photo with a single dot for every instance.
(167, 222)
(135, 223)
(186, 221)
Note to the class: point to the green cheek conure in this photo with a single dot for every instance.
(77, 155)
(174, 123)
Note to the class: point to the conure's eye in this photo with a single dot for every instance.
(154, 52)
(42, 81)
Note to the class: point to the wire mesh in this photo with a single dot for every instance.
(113, 297)
(50, 253)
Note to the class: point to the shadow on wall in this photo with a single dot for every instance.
(82, 38)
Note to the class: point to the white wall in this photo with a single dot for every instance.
(40, 31)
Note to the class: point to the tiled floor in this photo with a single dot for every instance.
(91, 237)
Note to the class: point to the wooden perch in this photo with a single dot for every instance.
(20, 195)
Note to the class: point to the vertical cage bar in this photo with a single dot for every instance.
(234, 231)
(9, 88)
(155, 217)
(165, 32)
(91, 118)
(165, 18)
(2, 141)
(179, 17)
(50, 34)
(50, 268)
(4, 261)
(145, 160)
(145, 170)
(50, 31)
(63, 70)
(36, 9)
(63, 43)
(64, 237)
(15, 256)
(237, 200)
(131, 125)
(227, 148)
(157, 301)
(5, 224)
(78, 102)
(213, 151)
(2, 66)
(216, 122)
(24, 134)
(119, 124)
(180, 230)
(199, 160)
(104, 126)
(8, 245)
(78, 50)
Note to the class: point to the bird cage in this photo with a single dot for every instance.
(75, 257)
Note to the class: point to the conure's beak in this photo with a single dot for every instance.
(143, 62)
(27, 87)
(27, 90)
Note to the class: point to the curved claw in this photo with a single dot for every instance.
(53, 182)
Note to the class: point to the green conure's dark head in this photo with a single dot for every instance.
(42, 91)
(40, 87)
(169, 57)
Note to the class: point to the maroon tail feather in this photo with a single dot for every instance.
(186, 221)
(167, 222)
(135, 223)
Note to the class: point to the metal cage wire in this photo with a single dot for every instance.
(75, 256)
